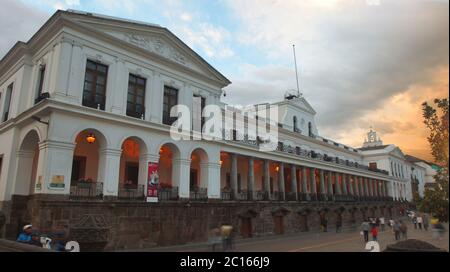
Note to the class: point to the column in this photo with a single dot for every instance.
(344, 184)
(281, 188)
(181, 173)
(322, 182)
(294, 181)
(156, 92)
(356, 180)
(304, 181)
(313, 181)
(54, 169)
(369, 184)
(351, 184)
(234, 176)
(337, 185)
(366, 187)
(212, 180)
(251, 178)
(24, 172)
(386, 191)
(267, 178)
(109, 165)
(330, 183)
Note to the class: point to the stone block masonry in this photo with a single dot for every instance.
(117, 225)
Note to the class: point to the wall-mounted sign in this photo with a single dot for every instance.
(39, 183)
(152, 182)
(57, 181)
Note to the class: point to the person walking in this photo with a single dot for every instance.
(397, 230)
(374, 233)
(365, 227)
(338, 225)
(215, 239)
(226, 232)
(419, 222)
(425, 221)
(391, 224)
(414, 220)
(404, 230)
(382, 222)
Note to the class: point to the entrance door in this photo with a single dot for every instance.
(193, 180)
(78, 168)
(132, 173)
(279, 227)
(303, 223)
(246, 227)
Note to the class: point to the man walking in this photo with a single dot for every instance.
(397, 230)
(425, 222)
(419, 222)
(365, 227)
(382, 222)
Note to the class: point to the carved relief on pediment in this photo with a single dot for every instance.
(158, 46)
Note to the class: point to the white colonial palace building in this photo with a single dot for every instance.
(85, 106)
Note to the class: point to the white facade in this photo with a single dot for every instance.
(42, 143)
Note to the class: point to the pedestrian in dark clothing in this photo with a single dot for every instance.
(338, 226)
(404, 230)
(415, 222)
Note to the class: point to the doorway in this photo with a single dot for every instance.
(279, 226)
(246, 227)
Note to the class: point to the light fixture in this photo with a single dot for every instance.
(277, 168)
(90, 138)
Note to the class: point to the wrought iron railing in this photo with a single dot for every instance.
(242, 196)
(86, 190)
(291, 196)
(166, 194)
(201, 194)
(227, 195)
(132, 192)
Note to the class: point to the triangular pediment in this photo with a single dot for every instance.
(299, 103)
(397, 152)
(155, 40)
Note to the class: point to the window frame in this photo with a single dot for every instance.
(94, 90)
(172, 94)
(134, 92)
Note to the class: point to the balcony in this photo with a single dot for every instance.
(86, 190)
(291, 196)
(200, 194)
(131, 192)
(168, 194)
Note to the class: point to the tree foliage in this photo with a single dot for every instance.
(437, 121)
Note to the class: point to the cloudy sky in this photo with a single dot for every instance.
(362, 63)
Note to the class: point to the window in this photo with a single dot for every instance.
(310, 133)
(41, 80)
(295, 124)
(136, 96)
(198, 106)
(7, 107)
(170, 100)
(94, 92)
(373, 165)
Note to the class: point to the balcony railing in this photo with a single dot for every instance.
(201, 194)
(242, 196)
(261, 195)
(277, 196)
(86, 190)
(166, 194)
(227, 195)
(291, 196)
(131, 192)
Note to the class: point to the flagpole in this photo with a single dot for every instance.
(296, 71)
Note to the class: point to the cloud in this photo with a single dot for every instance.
(354, 58)
(18, 23)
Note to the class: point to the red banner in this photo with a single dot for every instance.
(152, 182)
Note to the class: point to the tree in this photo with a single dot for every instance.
(437, 121)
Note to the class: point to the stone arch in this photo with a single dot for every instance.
(27, 163)
(303, 220)
(199, 172)
(246, 222)
(278, 216)
(133, 168)
(88, 164)
(103, 141)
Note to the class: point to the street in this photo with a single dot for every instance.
(346, 241)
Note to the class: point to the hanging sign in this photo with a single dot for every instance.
(152, 182)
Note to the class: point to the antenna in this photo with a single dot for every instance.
(296, 71)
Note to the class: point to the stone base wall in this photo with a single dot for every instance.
(112, 225)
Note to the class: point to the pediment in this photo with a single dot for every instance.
(154, 39)
(397, 152)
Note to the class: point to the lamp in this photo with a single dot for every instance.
(90, 138)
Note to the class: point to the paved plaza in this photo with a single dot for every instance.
(346, 241)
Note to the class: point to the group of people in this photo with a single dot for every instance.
(420, 221)
(371, 225)
(32, 237)
(222, 235)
